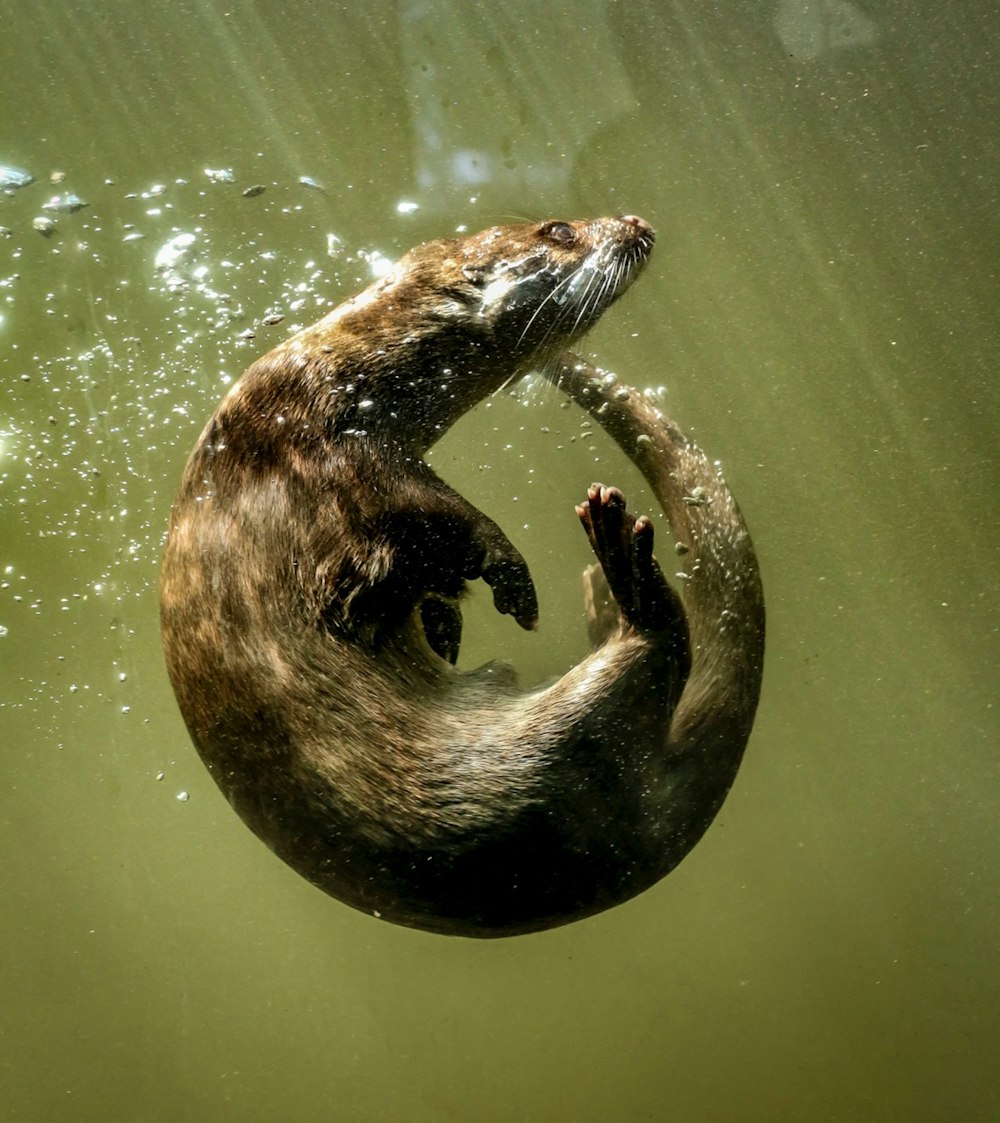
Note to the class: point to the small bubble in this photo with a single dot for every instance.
(182, 797)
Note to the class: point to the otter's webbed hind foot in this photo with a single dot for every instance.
(623, 545)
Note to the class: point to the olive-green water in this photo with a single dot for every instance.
(822, 310)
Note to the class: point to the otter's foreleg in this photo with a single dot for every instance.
(456, 538)
(417, 551)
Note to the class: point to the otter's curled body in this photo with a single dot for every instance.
(310, 616)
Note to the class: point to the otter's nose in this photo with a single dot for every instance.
(642, 227)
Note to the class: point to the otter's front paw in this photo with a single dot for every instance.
(513, 590)
(624, 547)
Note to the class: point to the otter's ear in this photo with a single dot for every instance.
(491, 286)
(477, 274)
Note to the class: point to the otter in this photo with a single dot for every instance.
(311, 623)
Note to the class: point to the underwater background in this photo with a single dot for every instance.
(821, 311)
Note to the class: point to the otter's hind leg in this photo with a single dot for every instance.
(442, 623)
(624, 548)
(603, 617)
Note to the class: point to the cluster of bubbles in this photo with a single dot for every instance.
(124, 314)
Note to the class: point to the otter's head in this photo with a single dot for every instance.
(528, 290)
(456, 319)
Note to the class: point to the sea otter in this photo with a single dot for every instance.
(310, 607)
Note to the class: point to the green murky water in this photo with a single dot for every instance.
(821, 308)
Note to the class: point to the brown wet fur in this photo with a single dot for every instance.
(310, 607)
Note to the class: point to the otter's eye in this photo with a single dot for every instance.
(560, 232)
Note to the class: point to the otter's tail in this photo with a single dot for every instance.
(723, 595)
